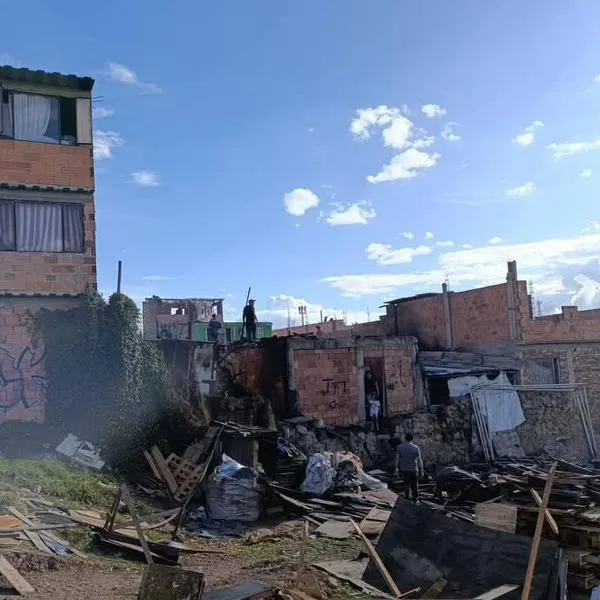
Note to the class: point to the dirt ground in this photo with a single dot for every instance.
(271, 557)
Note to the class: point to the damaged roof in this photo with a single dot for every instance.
(73, 82)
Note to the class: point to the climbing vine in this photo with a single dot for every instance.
(105, 383)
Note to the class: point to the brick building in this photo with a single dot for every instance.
(47, 225)
(324, 378)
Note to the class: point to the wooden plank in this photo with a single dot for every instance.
(337, 530)
(130, 506)
(378, 562)
(435, 589)
(164, 469)
(14, 577)
(497, 592)
(37, 541)
(549, 518)
(303, 550)
(537, 536)
(494, 515)
(153, 467)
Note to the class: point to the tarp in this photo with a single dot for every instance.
(502, 407)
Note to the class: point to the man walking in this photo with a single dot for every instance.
(249, 321)
(372, 402)
(409, 465)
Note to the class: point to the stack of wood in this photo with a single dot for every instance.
(333, 516)
(180, 476)
(572, 517)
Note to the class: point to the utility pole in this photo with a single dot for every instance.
(119, 272)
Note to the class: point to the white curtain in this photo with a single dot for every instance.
(39, 227)
(73, 228)
(7, 226)
(32, 116)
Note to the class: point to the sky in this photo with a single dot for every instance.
(335, 154)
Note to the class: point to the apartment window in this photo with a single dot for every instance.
(41, 227)
(38, 118)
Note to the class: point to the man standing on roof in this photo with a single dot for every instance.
(409, 465)
(249, 321)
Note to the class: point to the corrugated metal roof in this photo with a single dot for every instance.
(45, 188)
(409, 298)
(45, 78)
(37, 295)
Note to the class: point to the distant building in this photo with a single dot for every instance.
(176, 318)
(188, 318)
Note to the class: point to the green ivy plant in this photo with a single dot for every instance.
(104, 382)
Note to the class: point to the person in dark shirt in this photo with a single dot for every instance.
(409, 465)
(214, 326)
(249, 321)
(372, 402)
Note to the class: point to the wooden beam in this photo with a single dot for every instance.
(378, 562)
(549, 517)
(130, 506)
(537, 536)
(14, 577)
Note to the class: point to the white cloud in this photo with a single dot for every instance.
(405, 166)
(384, 254)
(424, 142)
(409, 235)
(146, 178)
(528, 136)
(122, 74)
(496, 240)
(586, 173)
(397, 135)
(105, 142)
(542, 261)
(101, 112)
(429, 235)
(445, 244)
(299, 201)
(567, 149)
(591, 227)
(359, 213)
(521, 191)
(367, 118)
(449, 134)
(597, 78)
(467, 246)
(282, 306)
(9, 59)
(433, 110)
(155, 278)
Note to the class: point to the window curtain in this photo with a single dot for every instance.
(32, 117)
(73, 228)
(39, 227)
(7, 226)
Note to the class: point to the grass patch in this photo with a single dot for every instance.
(56, 480)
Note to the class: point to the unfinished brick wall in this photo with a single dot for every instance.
(422, 318)
(261, 369)
(327, 384)
(479, 316)
(46, 164)
(53, 272)
(571, 325)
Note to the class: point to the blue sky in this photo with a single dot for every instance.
(335, 153)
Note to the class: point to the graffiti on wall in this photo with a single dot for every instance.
(337, 389)
(22, 384)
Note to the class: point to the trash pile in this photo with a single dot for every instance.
(507, 495)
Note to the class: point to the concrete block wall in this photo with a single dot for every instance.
(53, 272)
(422, 318)
(570, 325)
(46, 164)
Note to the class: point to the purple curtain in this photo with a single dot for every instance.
(7, 226)
(39, 227)
(73, 228)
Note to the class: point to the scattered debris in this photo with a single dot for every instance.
(83, 453)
